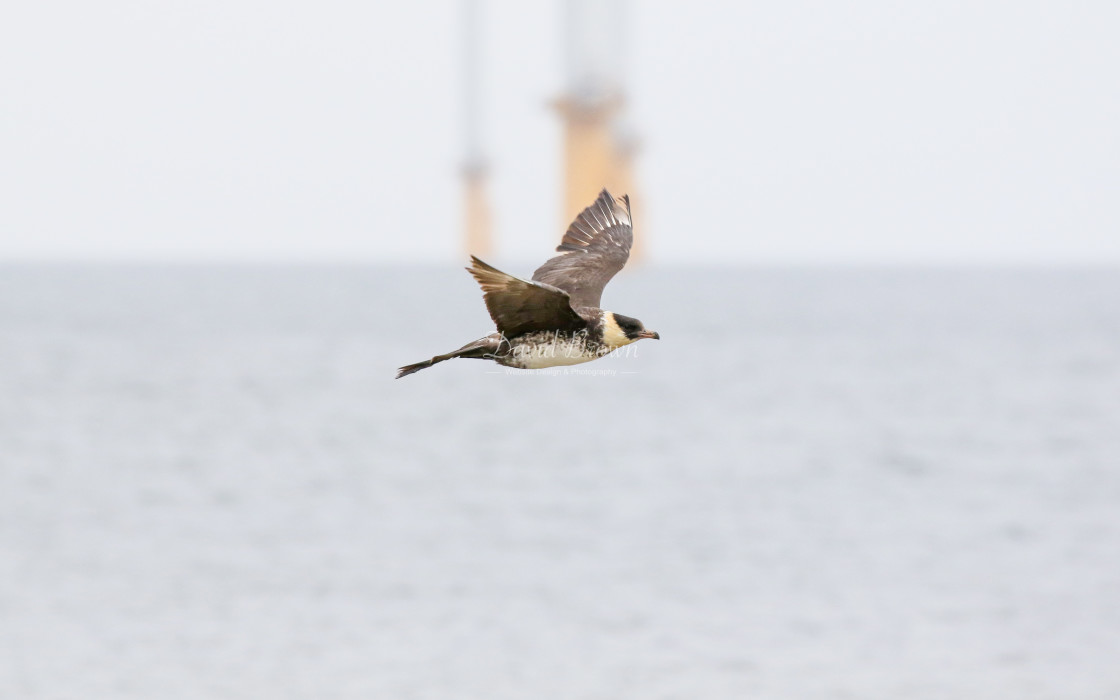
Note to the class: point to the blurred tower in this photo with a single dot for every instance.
(599, 146)
(476, 203)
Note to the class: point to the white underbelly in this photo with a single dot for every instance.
(549, 349)
(540, 361)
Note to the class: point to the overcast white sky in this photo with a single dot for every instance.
(773, 131)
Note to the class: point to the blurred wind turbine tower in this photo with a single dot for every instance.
(599, 144)
(476, 204)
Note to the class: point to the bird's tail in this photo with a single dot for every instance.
(481, 349)
(409, 369)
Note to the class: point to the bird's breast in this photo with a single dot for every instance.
(553, 349)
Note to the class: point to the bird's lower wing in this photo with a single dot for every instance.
(519, 306)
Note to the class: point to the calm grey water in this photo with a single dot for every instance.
(819, 484)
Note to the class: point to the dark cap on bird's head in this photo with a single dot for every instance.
(633, 328)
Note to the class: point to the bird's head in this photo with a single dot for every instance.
(619, 330)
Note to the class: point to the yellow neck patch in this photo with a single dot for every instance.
(612, 334)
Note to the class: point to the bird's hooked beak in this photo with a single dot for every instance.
(649, 334)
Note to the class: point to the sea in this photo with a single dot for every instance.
(821, 483)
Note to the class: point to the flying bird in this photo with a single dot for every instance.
(554, 319)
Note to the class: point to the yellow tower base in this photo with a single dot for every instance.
(594, 158)
(476, 211)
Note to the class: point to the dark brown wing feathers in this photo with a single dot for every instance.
(593, 250)
(518, 306)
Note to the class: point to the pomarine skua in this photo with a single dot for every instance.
(554, 319)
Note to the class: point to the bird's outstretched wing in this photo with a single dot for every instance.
(593, 250)
(518, 306)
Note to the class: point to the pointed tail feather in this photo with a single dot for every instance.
(410, 369)
(481, 348)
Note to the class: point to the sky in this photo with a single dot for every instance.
(796, 132)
